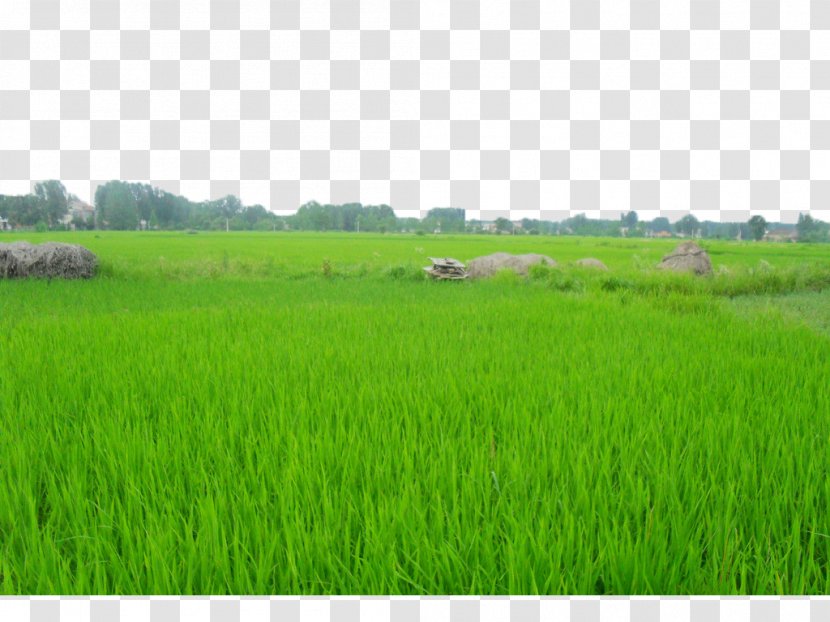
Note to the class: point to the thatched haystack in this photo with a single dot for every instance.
(688, 257)
(488, 265)
(48, 261)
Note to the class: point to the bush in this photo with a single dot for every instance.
(540, 271)
(565, 282)
(615, 284)
(405, 272)
(556, 278)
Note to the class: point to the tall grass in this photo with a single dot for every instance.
(330, 434)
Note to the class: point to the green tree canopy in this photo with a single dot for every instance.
(687, 225)
(757, 227)
(55, 200)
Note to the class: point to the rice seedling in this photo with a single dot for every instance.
(238, 418)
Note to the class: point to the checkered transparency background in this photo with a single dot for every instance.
(543, 108)
(409, 609)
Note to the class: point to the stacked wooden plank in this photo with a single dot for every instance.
(444, 268)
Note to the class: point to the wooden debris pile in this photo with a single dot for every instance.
(446, 268)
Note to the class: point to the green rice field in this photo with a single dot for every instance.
(271, 413)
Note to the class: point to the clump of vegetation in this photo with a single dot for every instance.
(615, 283)
(540, 271)
(406, 271)
(556, 278)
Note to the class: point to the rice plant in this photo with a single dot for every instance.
(238, 419)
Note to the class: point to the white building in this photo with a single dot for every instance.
(80, 210)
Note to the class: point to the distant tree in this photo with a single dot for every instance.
(118, 205)
(661, 223)
(687, 225)
(473, 226)
(450, 219)
(630, 220)
(410, 223)
(807, 227)
(25, 210)
(812, 230)
(531, 226)
(757, 227)
(577, 225)
(227, 208)
(55, 199)
(253, 214)
(712, 229)
(503, 225)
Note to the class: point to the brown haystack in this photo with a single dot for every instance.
(488, 265)
(48, 261)
(590, 262)
(688, 257)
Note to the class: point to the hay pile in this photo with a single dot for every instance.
(488, 265)
(48, 261)
(688, 257)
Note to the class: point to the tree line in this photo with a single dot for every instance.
(123, 205)
(43, 208)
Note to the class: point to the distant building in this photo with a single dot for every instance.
(5, 225)
(781, 235)
(79, 210)
(82, 210)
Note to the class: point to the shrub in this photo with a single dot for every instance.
(402, 272)
(540, 271)
(566, 282)
(615, 283)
